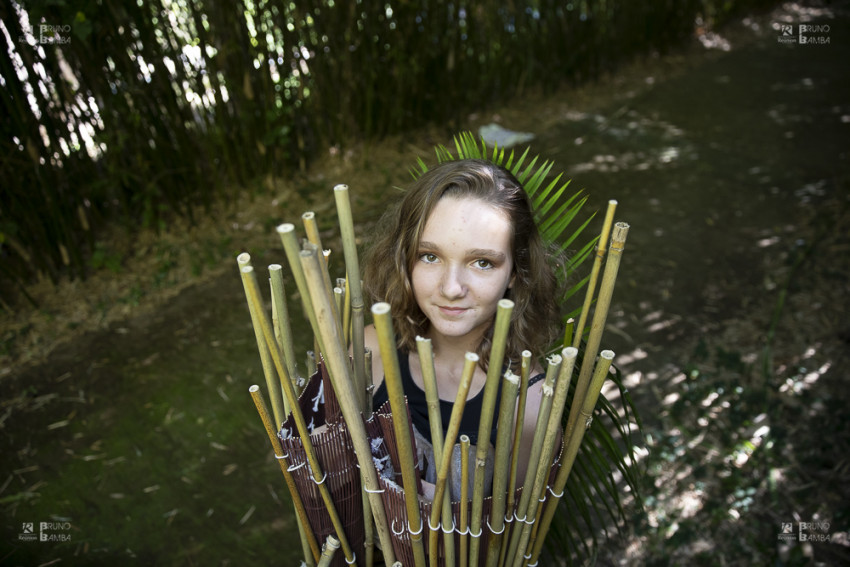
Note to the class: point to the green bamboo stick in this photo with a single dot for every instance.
(401, 426)
(328, 551)
(504, 310)
(278, 406)
(281, 321)
(311, 229)
(352, 270)
(603, 303)
(525, 376)
(470, 362)
(435, 418)
(601, 246)
(252, 291)
(502, 464)
(463, 520)
(570, 452)
(286, 231)
(308, 539)
(536, 451)
(336, 361)
(553, 432)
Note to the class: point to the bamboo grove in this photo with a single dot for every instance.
(133, 112)
(328, 469)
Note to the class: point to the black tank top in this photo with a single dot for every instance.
(418, 405)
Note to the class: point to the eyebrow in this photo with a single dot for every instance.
(482, 252)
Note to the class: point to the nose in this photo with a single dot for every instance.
(452, 284)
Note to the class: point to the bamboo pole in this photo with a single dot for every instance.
(553, 431)
(308, 539)
(601, 246)
(525, 376)
(336, 360)
(470, 362)
(352, 270)
(504, 310)
(435, 419)
(252, 291)
(502, 465)
(311, 229)
(328, 551)
(573, 443)
(286, 231)
(401, 426)
(464, 500)
(603, 303)
(278, 406)
(536, 450)
(281, 321)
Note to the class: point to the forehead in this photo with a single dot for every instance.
(467, 222)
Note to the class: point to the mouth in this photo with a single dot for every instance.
(452, 311)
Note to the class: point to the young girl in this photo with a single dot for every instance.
(462, 238)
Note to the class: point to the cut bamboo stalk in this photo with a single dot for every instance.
(307, 536)
(252, 290)
(520, 515)
(603, 303)
(502, 465)
(328, 551)
(281, 321)
(401, 426)
(470, 362)
(504, 310)
(337, 362)
(601, 246)
(570, 452)
(311, 229)
(553, 431)
(355, 291)
(435, 418)
(464, 500)
(286, 231)
(278, 406)
(525, 376)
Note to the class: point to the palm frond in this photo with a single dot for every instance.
(592, 498)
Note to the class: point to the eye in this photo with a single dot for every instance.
(428, 258)
(483, 264)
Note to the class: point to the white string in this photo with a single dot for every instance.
(480, 531)
(454, 526)
(323, 479)
(379, 491)
(553, 492)
(392, 529)
(281, 457)
(411, 532)
(464, 532)
(353, 559)
(296, 467)
(432, 528)
(495, 532)
(518, 519)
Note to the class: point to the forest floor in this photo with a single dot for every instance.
(735, 358)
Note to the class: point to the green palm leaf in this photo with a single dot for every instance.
(592, 496)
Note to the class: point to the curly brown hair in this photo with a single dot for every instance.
(389, 262)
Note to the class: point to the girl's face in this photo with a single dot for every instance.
(463, 267)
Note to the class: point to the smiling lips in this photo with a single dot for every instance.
(452, 311)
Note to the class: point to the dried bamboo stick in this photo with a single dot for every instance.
(328, 551)
(352, 270)
(278, 406)
(252, 291)
(281, 321)
(312, 546)
(435, 418)
(573, 443)
(504, 310)
(603, 303)
(525, 376)
(536, 450)
(601, 246)
(464, 500)
(470, 362)
(336, 360)
(401, 426)
(502, 464)
(553, 431)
